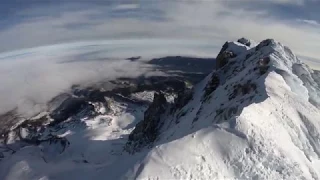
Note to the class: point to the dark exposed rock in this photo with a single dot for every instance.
(181, 114)
(166, 84)
(223, 58)
(236, 91)
(190, 69)
(7, 120)
(183, 98)
(35, 139)
(184, 95)
(134, 58)
(263, 65)
(242, 89)
(57, 101)
(69, 107)
(244, 41)
(224, 47)
(264, 61)
(264, 43)
(147, 131)
(263, 69)
(90, 94)
(34, 123)
(249, 55)
(224, 114)
(247, 88)
(212, 85)
(316, 76)
(49, 144)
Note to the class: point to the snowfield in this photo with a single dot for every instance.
(255, 117)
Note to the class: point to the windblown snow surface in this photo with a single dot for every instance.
(262, 121)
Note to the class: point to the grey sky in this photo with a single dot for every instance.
(26, 24)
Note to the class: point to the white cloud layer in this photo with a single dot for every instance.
(148, 28)
(311, 22)
(126, 6)
(189, 20)
(31, 77)
(294, 2)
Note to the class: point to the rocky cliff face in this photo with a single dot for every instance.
(147, 131)
(230, 50)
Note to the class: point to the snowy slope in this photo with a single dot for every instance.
(92, 144)
(254, 125)
(255, 117)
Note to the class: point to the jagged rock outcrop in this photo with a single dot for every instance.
(184, 95)
(263, 65)
(223, 58)
(183, 98)
(229, 51)
(60, 143)
(69, 107)
(212, 85)
(147, 131)
(242, 89)
(264, 43)
(7, 120)
(244, 41)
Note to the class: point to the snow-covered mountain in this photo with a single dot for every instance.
(255, 116)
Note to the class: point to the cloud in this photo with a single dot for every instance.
(151, 28)
(310, 22)
(30, 80)
(31, 77)
(126, 6)
(312, 62)
(291, 2)
(220, 22)
(216, 21)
